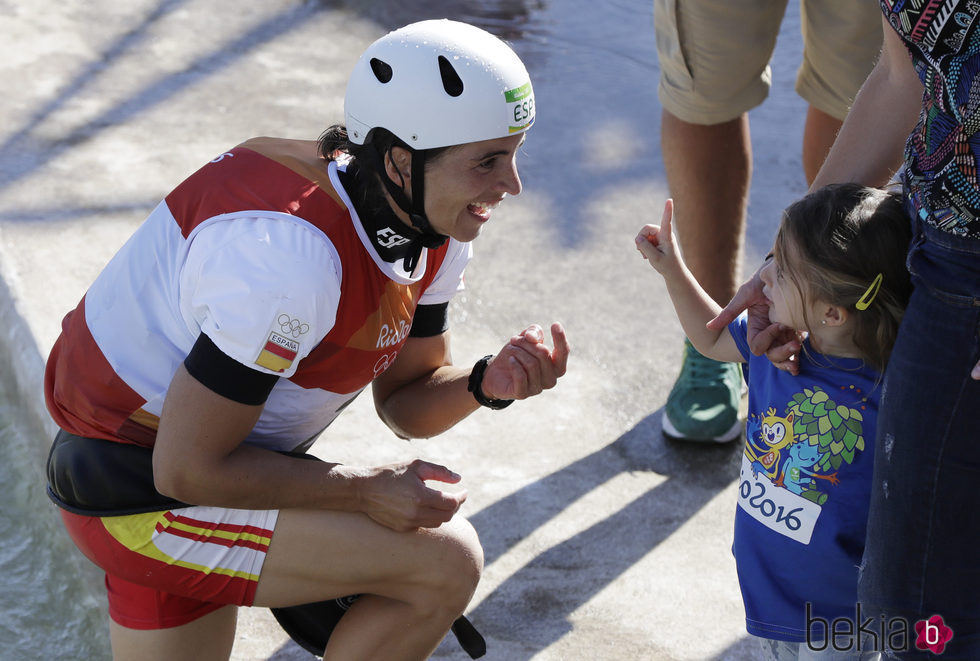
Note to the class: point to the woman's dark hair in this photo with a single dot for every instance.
(845, 235)
(335, 142)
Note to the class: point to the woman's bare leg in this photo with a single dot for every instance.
(208, 638)
(415, 584)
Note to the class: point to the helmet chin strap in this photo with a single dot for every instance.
(415, 208)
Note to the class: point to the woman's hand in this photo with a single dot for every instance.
(526, 366)
(780, 344)
(397, 497)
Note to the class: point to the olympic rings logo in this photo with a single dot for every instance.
(293, 327)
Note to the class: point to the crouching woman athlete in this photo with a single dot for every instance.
(256, 301)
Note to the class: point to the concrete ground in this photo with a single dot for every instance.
(603, 541)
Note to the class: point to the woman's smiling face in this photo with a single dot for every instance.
(466, 182)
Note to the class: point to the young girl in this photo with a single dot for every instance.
(837, 275)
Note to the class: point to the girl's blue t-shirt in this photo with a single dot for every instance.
(804, 490)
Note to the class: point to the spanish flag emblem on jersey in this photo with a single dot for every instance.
(278, 353)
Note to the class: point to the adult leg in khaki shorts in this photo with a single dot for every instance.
(714, 67)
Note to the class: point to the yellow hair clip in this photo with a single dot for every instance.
(869, 294)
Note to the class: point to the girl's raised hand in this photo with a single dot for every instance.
(656, 242)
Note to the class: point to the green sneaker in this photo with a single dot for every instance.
(703, 404)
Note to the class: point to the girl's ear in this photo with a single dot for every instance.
(833, 315)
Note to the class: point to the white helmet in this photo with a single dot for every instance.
(438, 83)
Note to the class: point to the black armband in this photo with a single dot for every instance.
(476, 386)
(226, 376)
(430, 320)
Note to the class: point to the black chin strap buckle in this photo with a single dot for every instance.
(427, 238)
(430, 238)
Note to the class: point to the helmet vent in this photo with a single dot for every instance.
(451, 82)
(382, 70)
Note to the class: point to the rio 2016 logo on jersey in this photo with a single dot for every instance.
(520, 102)
(391, 335)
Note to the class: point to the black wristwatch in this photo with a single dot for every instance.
(476, 386)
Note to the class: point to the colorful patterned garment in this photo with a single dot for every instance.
(943, 151)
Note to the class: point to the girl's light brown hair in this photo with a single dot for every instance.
(844, 236)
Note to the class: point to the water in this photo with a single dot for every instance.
(43, 615)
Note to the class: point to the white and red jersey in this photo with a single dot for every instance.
(262, 250)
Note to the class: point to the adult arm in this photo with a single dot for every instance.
(870, 146)
(199, 458)
(423, 394)
(199, 455)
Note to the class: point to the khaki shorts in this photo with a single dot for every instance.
(714, 54)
